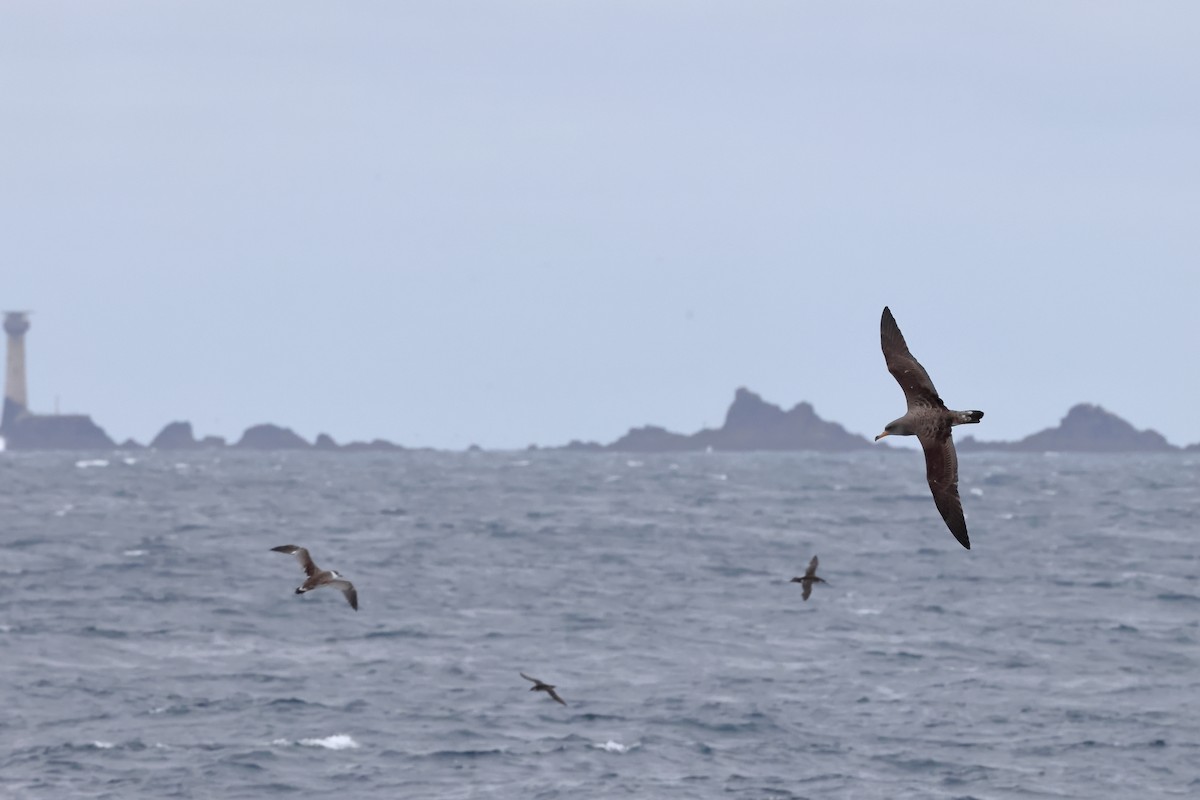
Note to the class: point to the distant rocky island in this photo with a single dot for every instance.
(751, 424)
(754, 424)
(1086, 428)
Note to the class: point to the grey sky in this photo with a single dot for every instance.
(444, 223)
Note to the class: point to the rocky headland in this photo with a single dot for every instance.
(1086, 428)
(751, 423)
(28, 431)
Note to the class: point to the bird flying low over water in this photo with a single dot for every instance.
(930, 421)
(319, 577)
(540, 686)
(810, 577)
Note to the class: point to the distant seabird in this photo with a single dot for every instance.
(930, 421)
(319, 577)
(539, 686)
(810, 577)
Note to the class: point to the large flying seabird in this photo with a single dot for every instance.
(810, 577)
(930, 421)
(319, 577)
(542, 686)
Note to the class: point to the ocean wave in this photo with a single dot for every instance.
(616, 747)
(338, 741)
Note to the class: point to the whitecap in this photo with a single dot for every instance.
(129, 461)
(720, 476)
(867, 611)
(91, 462)
(616, 747)
(975, 490)
(521, 463)
(633, 463)
(135, 552)
(339, 741)
(103, 745)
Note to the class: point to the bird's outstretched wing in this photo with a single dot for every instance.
(301, 553)
(941, 470)
(908, 372)
(807, 589)
(554, 694)
(812, 568)
(532, 680)
(346, 588)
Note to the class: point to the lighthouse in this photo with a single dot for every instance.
(16, 401)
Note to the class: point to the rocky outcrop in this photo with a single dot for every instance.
(653, 439)
(750, 424)
(1086, 428)
(179, 436)
(271, 437)
(326, 442)
(55, 432)
(583, 447)
(375, 445)
(175, 436)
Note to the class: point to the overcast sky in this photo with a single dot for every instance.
(500, 223)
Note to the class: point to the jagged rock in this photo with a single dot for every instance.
(587, 447)
(1085, 428)
(271, 437)
(175, 436)
(325, 442)
(750, 424)
(753, 424)
(373, 445)
(55, 432)
(653, 439)
(130, 444)
(212, 441)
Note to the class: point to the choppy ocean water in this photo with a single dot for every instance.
(151, 645)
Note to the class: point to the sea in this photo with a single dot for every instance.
(152, 645)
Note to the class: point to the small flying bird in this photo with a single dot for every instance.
(930, 421)
(319, 577)
(539, 686)
(810, 577)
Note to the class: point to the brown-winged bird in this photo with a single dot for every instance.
(930, 421)
(540, 686)
(810, 577)
(319, 577)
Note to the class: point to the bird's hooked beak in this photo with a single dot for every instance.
(880, 436)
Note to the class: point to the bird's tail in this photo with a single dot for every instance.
(966, 417)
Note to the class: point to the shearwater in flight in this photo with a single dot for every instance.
(930, 421)
(319, 577)
(810, 577)
(541, 686)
